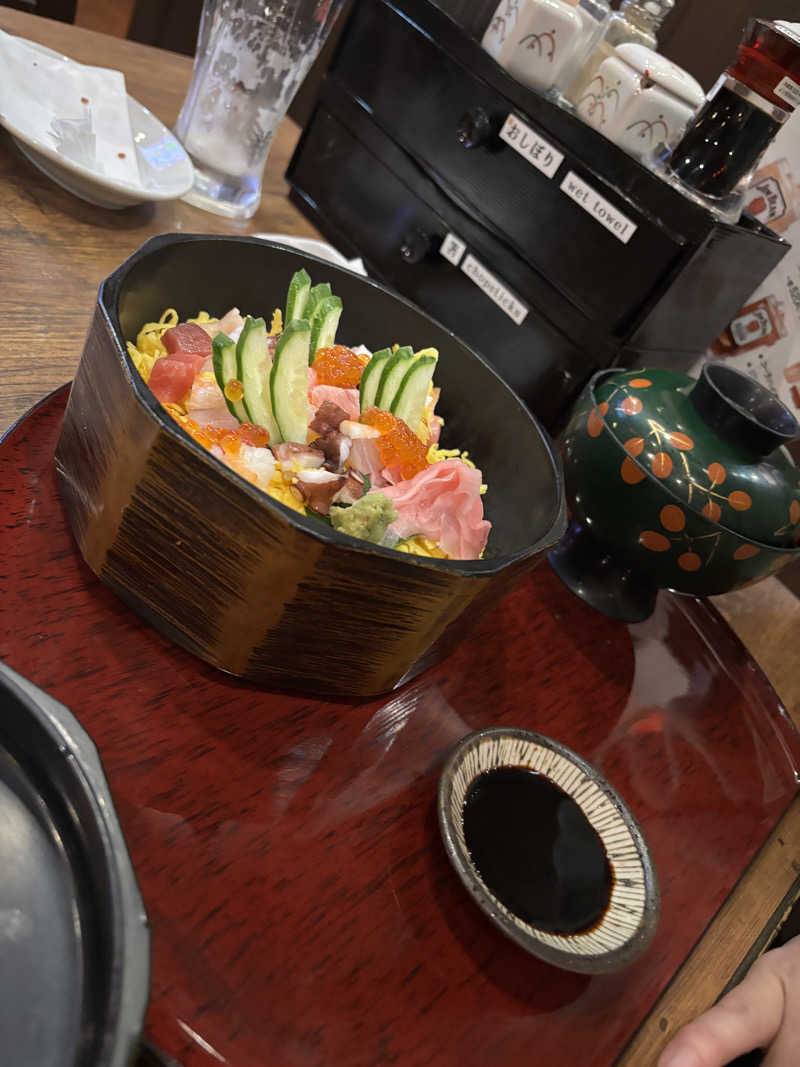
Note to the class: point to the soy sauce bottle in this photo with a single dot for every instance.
(721, 148)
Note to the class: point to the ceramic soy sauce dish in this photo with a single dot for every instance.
(676, 483)
(548, 850)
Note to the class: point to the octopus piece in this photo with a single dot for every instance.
(319, 487)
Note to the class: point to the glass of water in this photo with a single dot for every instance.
(251, 57)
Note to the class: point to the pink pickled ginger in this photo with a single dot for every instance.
(443, 503)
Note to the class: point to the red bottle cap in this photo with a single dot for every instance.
(768, 61)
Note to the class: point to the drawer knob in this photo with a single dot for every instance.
(416, 246)
(474, 128)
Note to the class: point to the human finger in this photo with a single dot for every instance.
(747, 1018)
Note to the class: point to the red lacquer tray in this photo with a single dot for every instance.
(302, 908)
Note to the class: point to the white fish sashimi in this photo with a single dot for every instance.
(261, 463)
(230, 323)
(206, 404)
(256, 465)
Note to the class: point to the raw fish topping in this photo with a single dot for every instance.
(343, 435)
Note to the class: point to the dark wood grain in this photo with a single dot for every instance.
(55, 251)
(302, 908)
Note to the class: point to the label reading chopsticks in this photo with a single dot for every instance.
(453, 248)
(495, 289)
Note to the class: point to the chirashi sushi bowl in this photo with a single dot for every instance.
(258, 443)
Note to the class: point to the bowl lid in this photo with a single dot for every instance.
(714, 444)
(663, 72)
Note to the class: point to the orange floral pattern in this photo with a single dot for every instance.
(680, 440)
(673, 518)
(667, 454)
(655, 542)
(662, 465)
(712, 510)
(690, 549)
(594, 423)
(631, 405)
(631, 472)
(739, 501)
(690, 561)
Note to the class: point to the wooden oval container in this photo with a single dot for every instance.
(230, 574)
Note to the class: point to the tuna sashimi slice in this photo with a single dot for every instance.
(443, 503)
(170, 379)
(188, 337)
(192, 359)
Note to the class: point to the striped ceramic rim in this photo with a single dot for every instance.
(630, 920)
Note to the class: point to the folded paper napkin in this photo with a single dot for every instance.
(80, 112)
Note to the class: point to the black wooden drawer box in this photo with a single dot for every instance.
(612, 263)
(370, 199)
(418, 74)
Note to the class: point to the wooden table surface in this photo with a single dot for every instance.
(55, 251)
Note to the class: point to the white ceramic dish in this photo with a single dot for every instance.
(312, 247)
(165, 169)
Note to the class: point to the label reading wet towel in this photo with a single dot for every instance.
(600, 209)
(494, 289)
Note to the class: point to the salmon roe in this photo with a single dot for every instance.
(230, 441)
(398, 445)
(339, 366)
(234, 390)
(253, 435)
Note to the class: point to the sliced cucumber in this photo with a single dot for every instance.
(253, 364)
(297, 297)
(316, 294)
(393, 373)
(288, 381)
(323, 325)
(226, 370)
(409, 400)
(371, 378)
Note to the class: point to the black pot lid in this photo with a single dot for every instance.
(74, 942)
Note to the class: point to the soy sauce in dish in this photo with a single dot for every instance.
(536, 850)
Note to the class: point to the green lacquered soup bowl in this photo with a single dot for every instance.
(676, 483)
